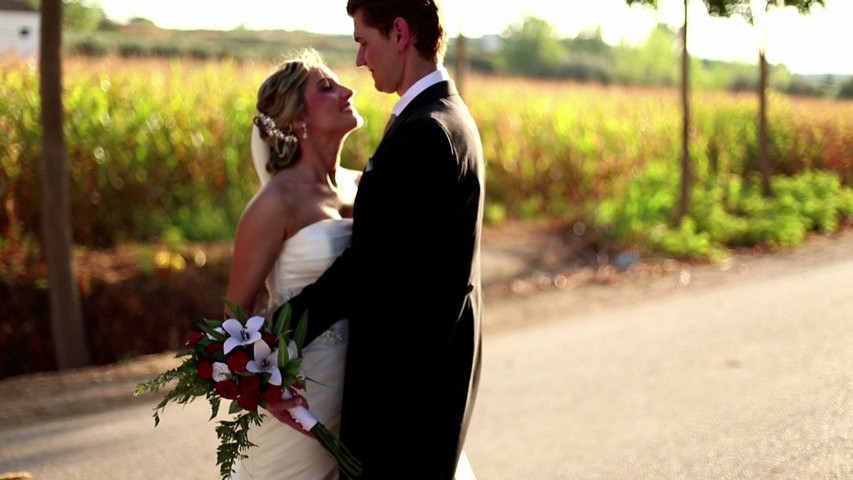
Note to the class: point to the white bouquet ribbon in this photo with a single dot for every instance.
(300, 413)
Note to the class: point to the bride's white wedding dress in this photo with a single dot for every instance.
(281, 452)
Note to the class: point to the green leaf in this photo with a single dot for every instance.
(234, 408)
(220, 337)
(292, 368)
(213, 323)
(282, 321)
(214, 406)
(283, 357)
(237, 311)
(301, 332)
(309, 379)
(233, 440)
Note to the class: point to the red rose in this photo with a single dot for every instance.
(271, 339)
(248, 402)
(193, 339)
(237, 361)
(250, 384)
(205, 369)
(272, 394)
(213, 348)
(227, 389)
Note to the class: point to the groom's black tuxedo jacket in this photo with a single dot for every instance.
(410, 286)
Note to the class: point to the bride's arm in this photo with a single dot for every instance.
(255, 248)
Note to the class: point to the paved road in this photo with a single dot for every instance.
(744, 380)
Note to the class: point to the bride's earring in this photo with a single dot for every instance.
(304, 131)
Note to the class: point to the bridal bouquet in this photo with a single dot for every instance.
(246, 361)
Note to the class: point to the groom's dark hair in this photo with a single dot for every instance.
(423, 16)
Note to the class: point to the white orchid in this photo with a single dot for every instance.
(266, 360)
(242, 335)
(220, 371)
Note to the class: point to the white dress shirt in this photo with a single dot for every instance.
(438, 75)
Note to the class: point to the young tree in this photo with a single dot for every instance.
(532, 48)
(684, 197)
(462, 65)
(79, 15)
(744, 8)
(846, 90)
(66, 318)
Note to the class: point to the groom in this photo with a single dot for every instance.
(410, 281)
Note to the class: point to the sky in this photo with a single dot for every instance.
(813, 44)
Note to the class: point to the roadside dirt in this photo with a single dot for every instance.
(549, 263)
(524, 265)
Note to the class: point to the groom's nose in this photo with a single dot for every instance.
(359, 58)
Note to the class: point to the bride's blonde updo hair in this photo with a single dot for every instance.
(281, 99)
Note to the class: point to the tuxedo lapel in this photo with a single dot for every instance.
(391, 121)
(388, 124)
(432, 94)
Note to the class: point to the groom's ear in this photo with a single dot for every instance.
(401, 34)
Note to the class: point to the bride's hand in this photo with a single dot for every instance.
(279, 410)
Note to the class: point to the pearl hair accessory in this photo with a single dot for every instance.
(304, 131)
(268, 124)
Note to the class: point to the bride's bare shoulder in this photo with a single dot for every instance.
(273, 204)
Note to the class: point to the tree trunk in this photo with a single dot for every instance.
(66, 318)
(763, 161)
(684, 201)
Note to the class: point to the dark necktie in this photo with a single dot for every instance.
(388, 125)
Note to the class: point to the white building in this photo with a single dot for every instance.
(19, 30)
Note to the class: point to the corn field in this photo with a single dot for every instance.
(161, 148)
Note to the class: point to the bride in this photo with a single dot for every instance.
(290, 232)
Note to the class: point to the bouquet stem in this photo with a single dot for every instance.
(349, 465)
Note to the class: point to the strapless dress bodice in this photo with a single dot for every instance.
(305, 256)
